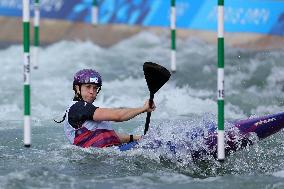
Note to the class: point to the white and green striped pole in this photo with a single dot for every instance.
(36, 33)
(173, 35)
(221, 140)
(95, 13)
(26, 45)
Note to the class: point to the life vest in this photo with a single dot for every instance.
(82, 131)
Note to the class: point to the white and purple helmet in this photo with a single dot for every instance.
(87, 76)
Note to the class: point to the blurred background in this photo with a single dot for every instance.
(248, 23)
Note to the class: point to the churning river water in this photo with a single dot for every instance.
(254, 85)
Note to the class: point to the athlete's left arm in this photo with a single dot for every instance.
(116, 114)
(121, 114)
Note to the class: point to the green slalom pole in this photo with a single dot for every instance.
(36, 33)
(173, 35)
(221, 91)
(26, 36)
(95, 13)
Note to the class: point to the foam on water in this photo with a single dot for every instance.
(252, 79)
(253, 86)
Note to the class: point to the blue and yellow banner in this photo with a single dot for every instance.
(257, 16)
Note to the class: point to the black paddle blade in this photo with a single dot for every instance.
(156, 76)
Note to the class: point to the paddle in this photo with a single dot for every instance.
(156, 76)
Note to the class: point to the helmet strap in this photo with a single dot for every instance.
(78, 95)
(99, 89)
(80, 92)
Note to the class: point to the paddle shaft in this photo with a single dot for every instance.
(149, 114)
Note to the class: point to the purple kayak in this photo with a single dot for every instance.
(236, 139)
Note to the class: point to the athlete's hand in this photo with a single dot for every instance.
(147, 107)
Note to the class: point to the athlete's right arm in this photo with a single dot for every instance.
(120, 114)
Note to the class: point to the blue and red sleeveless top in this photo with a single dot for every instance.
(81, 130)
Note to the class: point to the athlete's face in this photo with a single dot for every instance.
(88, 92)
